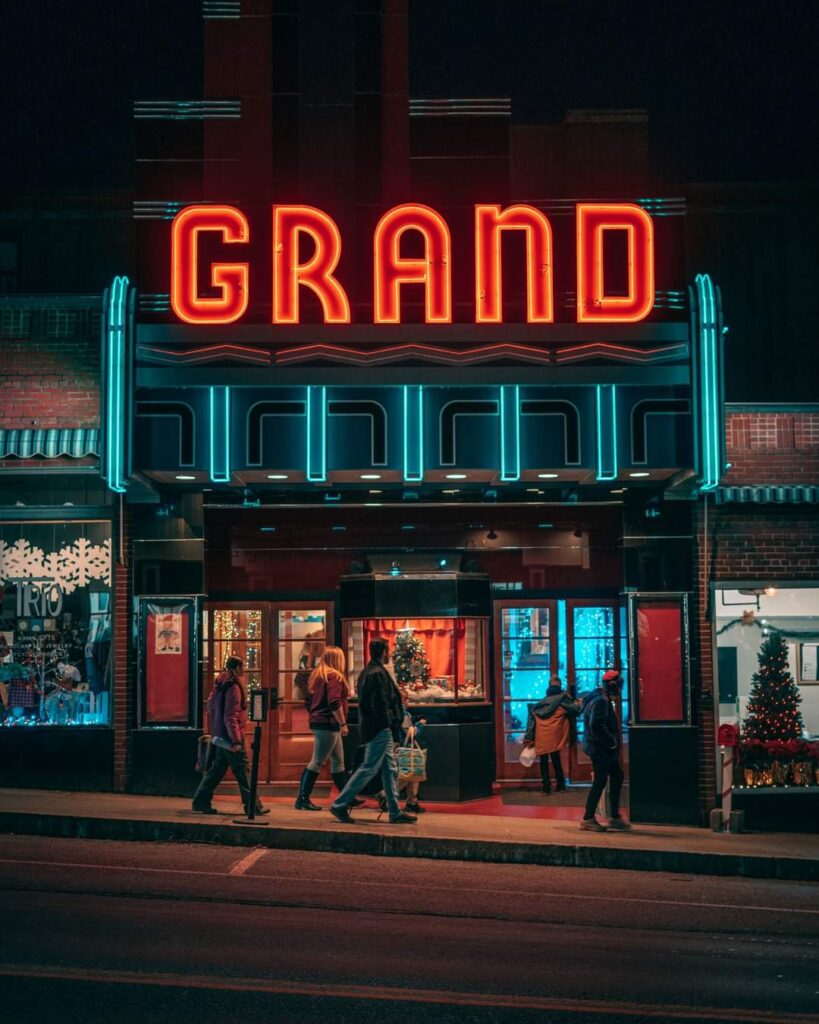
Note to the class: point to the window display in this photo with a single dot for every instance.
(55, 624)
(434, 661)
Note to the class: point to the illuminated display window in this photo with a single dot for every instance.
(433, 660)
(55, 624)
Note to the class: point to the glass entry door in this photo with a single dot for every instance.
(280, 643)
(576, 639)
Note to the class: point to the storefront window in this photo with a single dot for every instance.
(434, 661)
(595, 639)
(767, 642)
(55, 624)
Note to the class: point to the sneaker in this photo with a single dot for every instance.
(592, 825)
(620, 824)
(404, 819)
(342, 814)
(413, 807)
(205, 810)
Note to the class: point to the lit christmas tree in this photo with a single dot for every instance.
(773, 705)
(410, 658)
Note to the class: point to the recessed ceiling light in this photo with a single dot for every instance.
(547, 476)
(375, 492)
(184, 476)
(618, 490)
(640, 474)
(370, 476)
(277, 476)
(451, 490)
(456, 476)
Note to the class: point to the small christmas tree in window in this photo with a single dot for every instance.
(410, 658)
(773, 704)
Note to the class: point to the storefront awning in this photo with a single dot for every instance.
(768, 495)
(50, 444)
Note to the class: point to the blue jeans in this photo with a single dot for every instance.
(379, 755)
(327, 743)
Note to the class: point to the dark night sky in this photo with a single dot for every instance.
(731, 87)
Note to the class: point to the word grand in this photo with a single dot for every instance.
(229, 281)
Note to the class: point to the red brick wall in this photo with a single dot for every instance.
(124, 657)
(50, 383)
(772, 448)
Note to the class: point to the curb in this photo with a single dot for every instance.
(375, 844)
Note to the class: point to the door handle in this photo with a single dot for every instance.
(274, 696)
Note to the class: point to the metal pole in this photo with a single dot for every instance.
(254, 770)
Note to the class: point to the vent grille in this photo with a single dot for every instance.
(221, 10)
(187, 110)
(489, 107)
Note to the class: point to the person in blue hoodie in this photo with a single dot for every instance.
(601, 742)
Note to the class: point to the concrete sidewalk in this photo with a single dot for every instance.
(438, 834)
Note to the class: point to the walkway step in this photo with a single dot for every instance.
(392, 843)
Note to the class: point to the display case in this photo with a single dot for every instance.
(437, 625)
(434, 661)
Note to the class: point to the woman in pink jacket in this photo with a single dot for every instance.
(227, 711)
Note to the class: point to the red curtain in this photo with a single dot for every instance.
(438, 635)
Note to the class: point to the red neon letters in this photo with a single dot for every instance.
(229, 278)
(593, 305)
(490, 221)
(316, 273)
(228, 282)
(391, 270)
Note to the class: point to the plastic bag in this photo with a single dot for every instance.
(527, 757)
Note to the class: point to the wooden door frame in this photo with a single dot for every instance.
(210, 606)
(278, 773)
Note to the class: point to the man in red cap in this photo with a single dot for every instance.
(601, 742)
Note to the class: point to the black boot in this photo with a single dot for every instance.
(341, 779)
(303, 801)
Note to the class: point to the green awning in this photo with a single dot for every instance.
(75, 442)
(795, 494)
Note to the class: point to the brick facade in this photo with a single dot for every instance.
(753, 543)
(50, 383)
(124, 697)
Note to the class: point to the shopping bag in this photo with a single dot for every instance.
(528, 756)
(412, 763)
(204, 754)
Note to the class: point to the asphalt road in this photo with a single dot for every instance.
(126, 932)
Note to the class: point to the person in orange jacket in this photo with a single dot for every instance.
(548, 731)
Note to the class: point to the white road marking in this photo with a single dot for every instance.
(667, 1011)
(539, 893)
(246, 863)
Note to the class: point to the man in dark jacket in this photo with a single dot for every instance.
(602, 743)
(380, 712)
(227, 710)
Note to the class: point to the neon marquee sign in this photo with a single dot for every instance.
(229, 280)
